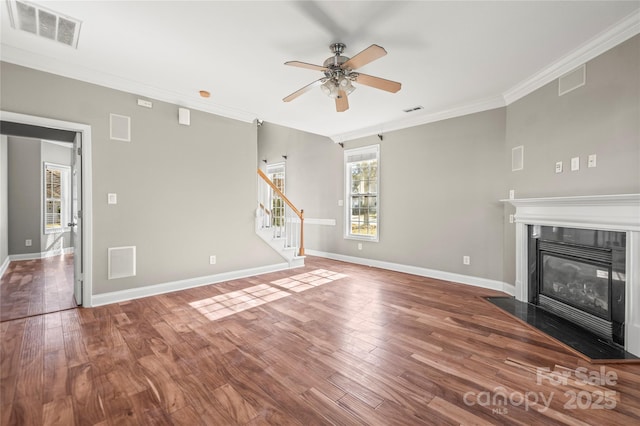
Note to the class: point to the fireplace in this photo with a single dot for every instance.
(579, 274)
(572, 270)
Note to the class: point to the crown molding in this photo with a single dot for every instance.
(53, 65)
(618, 33)
(424, 118)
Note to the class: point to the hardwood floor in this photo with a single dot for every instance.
(35, 287)
(330, 343)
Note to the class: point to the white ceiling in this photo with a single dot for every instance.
(451, 57)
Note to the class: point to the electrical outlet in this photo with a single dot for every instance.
(359, 246)
(510, 218)
(466, 260)
(28, 243)
(212, 260)
(340, 203)
(512, 194)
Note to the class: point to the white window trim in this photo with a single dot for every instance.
(271, 167)
(347, 187)
(65, 185)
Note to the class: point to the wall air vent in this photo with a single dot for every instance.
(416, 108)
(43, 22)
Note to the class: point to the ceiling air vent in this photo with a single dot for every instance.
(44, 22)
(416, 108)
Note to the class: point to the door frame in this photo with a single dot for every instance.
(86, 179)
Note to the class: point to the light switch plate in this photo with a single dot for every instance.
(575, 164)
(112, 198)
(559, 167)
(592, 161)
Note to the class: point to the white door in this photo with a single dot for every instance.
(76, 217)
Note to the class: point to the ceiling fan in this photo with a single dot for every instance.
(339, 74)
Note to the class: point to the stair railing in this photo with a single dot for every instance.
(279, 214)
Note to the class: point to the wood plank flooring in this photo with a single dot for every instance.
(35, 287)
(330, 343)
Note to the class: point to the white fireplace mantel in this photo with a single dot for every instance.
(620, 212)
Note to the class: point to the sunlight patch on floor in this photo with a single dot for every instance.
(226, 304)
(307, 280)
(222, 305)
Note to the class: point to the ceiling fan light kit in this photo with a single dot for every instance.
(339, 75)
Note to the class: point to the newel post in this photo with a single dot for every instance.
(301, 252)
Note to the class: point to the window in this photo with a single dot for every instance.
(275, 172)
(56, 197)
(362, 183)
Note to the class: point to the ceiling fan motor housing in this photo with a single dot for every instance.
(335, 61)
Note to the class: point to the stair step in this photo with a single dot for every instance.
(290, 254)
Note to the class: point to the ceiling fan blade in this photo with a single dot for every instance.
(369, 54)
(304, 89)
(342, 103)
(378, 83)
(306, 65)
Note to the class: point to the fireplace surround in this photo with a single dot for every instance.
(618, 213)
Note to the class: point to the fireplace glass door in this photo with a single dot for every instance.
(583, 285)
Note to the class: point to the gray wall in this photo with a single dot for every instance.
(440, 186)
(24, 195)
(57, 154)
(602, 117)
(4, 201)
(184, 192)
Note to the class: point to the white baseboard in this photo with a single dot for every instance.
(42, 255)
(25, 256)
(153, 290)
(57, 252)
(423, 272)
(33, 256)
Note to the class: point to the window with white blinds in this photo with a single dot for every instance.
(55, 197)
(362, 192)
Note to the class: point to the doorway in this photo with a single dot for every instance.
(61, 259)
(39, 278)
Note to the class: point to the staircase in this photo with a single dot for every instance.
(279, 223)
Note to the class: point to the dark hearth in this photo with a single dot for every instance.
(562, 330)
